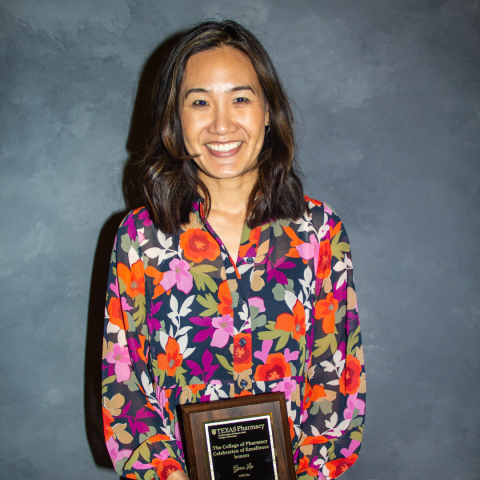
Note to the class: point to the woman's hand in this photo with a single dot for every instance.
(178, 475)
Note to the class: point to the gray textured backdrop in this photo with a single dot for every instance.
(389, 98)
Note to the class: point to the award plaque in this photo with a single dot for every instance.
(241, 438)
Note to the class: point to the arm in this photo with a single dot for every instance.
(137, 417)
(334, 397)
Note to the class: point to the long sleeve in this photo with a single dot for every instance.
(334, 397)
(137, 414)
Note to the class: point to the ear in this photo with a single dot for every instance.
(267, 117)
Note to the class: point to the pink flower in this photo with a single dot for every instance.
(257, 302)
(223, 329)
(354, 403)
(115, 453)
(164, 454)
(308, 250)
(288, 385)
(346, 452)
(121, 358)
(178, 275)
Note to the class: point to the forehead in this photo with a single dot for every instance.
(222, 66)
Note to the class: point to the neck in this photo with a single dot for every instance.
(230, 195)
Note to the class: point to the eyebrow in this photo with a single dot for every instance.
(231, 90)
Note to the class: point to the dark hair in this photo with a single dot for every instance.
(170, 180)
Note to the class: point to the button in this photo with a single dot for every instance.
(241, 301)
(250, 260)
(242, 342)
(243, 383)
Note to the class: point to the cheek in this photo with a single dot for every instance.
(188, 131)
(256, 123)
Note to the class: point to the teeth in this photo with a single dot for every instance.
(223, 147)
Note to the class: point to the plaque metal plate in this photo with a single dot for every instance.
(241, 448)
(244, 438)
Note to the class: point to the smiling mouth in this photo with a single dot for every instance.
(223, 147)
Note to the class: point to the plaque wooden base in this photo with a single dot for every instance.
(244, 438)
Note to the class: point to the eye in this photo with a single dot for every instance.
(241, 100)
(200, 103)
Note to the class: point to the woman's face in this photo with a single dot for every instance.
(222, 112)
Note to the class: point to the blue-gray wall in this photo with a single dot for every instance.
(389, 95)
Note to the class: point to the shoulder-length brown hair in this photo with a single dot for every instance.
(170, 180)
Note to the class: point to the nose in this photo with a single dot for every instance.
(222, 122)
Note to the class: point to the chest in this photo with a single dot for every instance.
(229, 229)
(209, 318)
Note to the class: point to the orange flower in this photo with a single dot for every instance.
(167, 467)
(225, 305)
(243, 393)
(116, 314)
(312, 394)
(335, 229)
(293, 252)
(326, 309)
(315, 202)
(339, 466)
(292, 431)
(350, 379)
(324, 259)
(107, 421)
(157, 278)
(158, 438)
(196, 388)
(131, 475)
(242, 352)
(253, 239)
(198, 245)
(293, 323)
(172, 359)
(304, 466)
(168, 393)
(275, 368)
(133, 279)
(314, 440)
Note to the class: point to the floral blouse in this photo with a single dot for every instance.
(184, 324)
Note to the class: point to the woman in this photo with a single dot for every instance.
(230, 282)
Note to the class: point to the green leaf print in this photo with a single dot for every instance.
(195, 381)
(169, 448)
(352, 341)
(265, 335)
(209, 303)
(144, 452)
(314, 407)
(132, 459)
(109, 380)
(180, 377)
(331, 451)
(126, 242)
(326, 407)
(140, 314)
(324, 343)
(339, 248)
(283, 340)
(201, 278)
(245, 234)
(340, 314)
(358, 434)
(356, 422)
(224, 362)
(149, 475)
(260, 321)
(279, 292)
